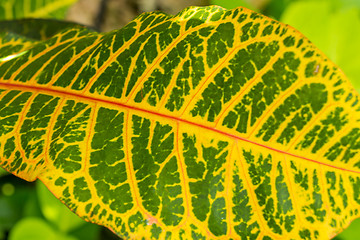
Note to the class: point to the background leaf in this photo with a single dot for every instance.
(333, 26)
(233, 4)
(3, 172)
(351, 232)
(35, 29)
(35, 229)
(25, 203)
(16, 9)
(55, 211)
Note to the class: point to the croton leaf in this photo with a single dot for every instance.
(208, 124)
(15, 9)
(32, 29)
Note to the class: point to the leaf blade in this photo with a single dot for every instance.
(209, 122)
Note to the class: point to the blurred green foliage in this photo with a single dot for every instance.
(31, 212)
(334, 27)
(230, 4)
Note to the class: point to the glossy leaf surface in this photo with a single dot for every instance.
(211, 124)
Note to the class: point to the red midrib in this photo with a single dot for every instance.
(94, 99)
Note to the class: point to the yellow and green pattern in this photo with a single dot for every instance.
(16, 9)
(211, 124)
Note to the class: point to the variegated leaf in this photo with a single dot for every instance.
(211, 124)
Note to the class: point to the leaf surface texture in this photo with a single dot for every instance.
(211, 124)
